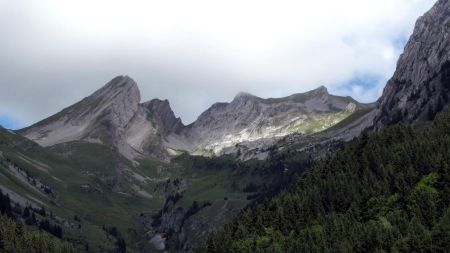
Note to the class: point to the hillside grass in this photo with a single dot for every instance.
(81, 176)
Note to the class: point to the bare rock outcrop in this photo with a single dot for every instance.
(420, 86)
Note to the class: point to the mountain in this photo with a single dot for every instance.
(384, 191)
(250, 119)
(114, 116)
(111, 173)
(112, 152)
(420, 86)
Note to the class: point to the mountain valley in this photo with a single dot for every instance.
(165, 185)
(310, 172)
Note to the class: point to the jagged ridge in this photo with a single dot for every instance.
(114, 116)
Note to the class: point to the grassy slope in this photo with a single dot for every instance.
(66, 168)
(350, 119)
(65, 179)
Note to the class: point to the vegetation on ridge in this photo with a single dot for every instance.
(385, 192)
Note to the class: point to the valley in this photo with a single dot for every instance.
(309, 172)
(153, 198)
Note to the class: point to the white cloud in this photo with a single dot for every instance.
(196, 52)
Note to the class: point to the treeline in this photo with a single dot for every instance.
(28, 215)
(5, 205)
(383, 192)
(32, 180)
(17, 237)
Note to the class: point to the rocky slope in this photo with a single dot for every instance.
(252, 119)
(101, 117)
(114, 116)
(420, 86)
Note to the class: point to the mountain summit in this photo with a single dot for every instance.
(420, 86)
(114, 116)
(102, 117)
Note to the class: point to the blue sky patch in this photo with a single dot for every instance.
(10, 123)
(366, 81)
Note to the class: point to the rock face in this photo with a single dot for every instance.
(164, 116)
(249, 118)
(114, 116)
(420, 86)
(101, 117)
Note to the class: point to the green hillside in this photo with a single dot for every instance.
(383, 192)
(99, 198)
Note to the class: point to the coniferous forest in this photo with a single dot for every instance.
(19, 233)
(17, 238)
(383, 192)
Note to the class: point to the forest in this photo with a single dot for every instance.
(386, 191)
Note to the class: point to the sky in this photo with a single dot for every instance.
(53, 53)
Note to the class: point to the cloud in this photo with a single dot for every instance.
(195, 53)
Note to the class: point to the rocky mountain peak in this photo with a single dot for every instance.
(243, 98)
(114, 116)
(420, 86)
(164, 115)
(244, 95)
(119, 87)
(114, 104)
(157, 104)
(101, 117)
(320, 93)
(321, 90)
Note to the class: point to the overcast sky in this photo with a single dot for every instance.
(194, 53)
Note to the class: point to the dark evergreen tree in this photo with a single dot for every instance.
(5, 204)
(121, 245)
(26, 213)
